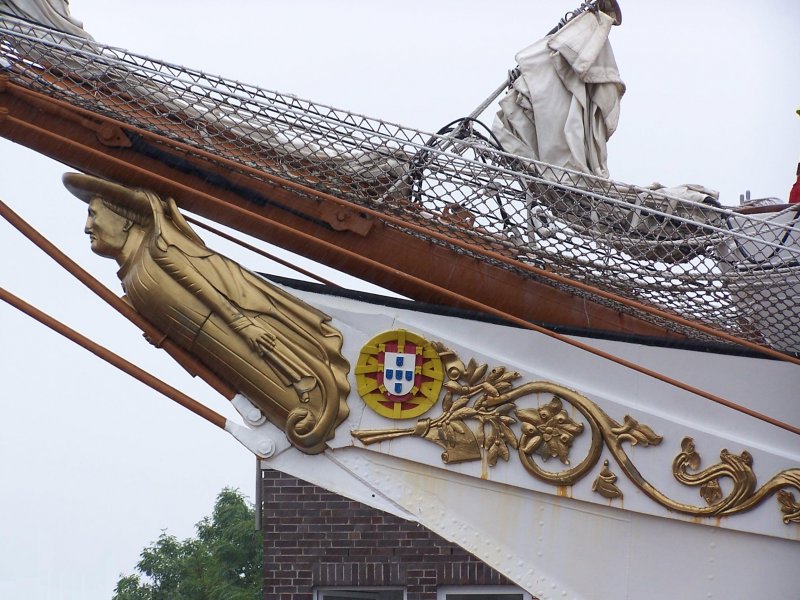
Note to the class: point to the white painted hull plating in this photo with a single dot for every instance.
(570, 542)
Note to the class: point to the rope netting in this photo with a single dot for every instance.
(729, 269)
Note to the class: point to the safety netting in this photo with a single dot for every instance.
(732, 269)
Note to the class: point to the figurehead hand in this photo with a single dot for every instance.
(258, 338)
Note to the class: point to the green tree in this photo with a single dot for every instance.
(224, 562)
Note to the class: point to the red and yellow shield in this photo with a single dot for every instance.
(399, 374)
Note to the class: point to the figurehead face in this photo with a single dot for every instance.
(114, 210)
(107, 230)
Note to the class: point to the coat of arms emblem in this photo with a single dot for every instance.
(399, 374)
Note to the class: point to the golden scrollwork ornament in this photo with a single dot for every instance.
(481, 420)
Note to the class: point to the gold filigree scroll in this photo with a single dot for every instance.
(277, 351)
(488, 398)
(743, 495)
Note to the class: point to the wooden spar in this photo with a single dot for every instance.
(368, 249)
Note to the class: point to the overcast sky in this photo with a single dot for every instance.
(94, 465)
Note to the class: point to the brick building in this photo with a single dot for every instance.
(322, 546)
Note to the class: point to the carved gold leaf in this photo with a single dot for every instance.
(789, 507)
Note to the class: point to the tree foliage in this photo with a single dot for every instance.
(224, 561)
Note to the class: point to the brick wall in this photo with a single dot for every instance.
(314, 538)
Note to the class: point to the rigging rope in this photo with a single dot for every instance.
(264, 253)
(120, 363)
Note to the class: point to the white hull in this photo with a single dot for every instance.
(569, 541)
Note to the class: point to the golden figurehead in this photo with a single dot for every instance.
(277, 351)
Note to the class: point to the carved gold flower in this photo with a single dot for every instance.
(548, 430)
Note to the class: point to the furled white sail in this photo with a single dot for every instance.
(50, 13)
(565, 104)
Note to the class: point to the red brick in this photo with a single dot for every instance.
(313, 537)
